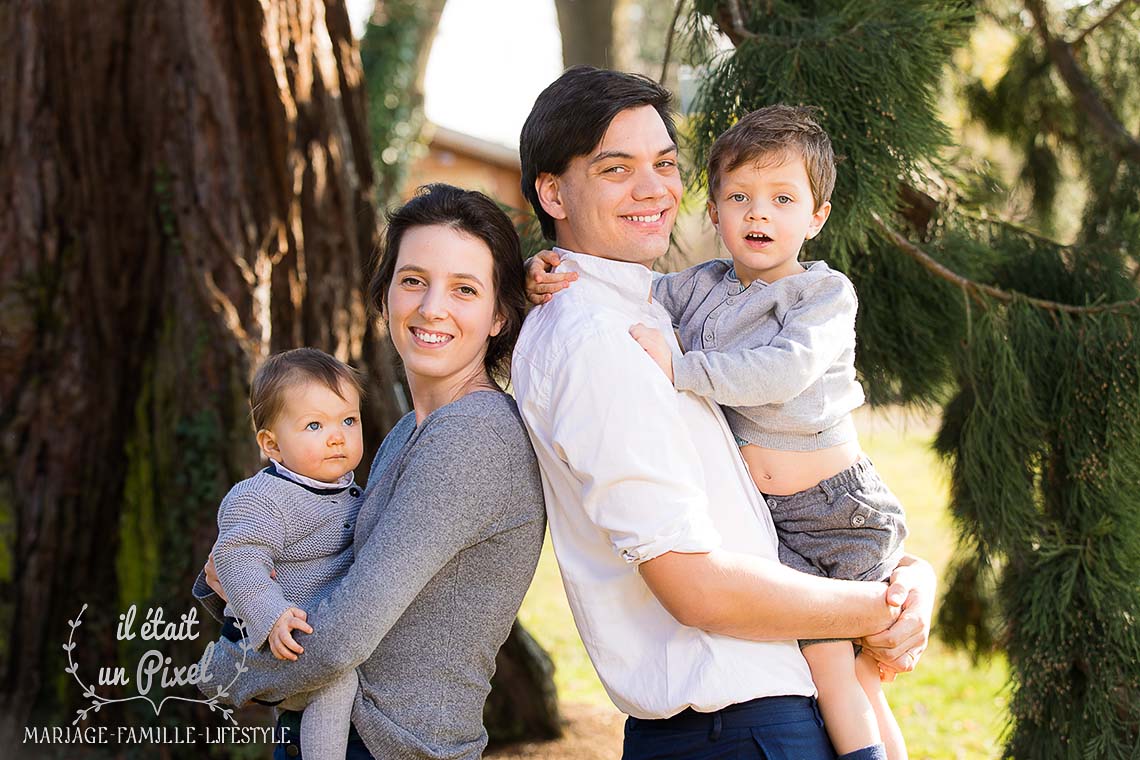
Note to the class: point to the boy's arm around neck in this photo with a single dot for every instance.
(815, 331)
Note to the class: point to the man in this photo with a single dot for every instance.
(666, 549)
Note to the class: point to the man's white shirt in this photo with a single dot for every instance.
(632, 469)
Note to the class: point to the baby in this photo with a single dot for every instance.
(294, 522)
(773, 341)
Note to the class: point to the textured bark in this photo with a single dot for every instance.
(184, 188)
(587, 29)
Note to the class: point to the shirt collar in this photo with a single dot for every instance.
(344, 481)
(631, 281)
(816, 267)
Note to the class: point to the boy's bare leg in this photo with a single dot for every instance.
(867, 669)
(847, 713)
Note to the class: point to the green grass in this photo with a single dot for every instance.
(949, 708)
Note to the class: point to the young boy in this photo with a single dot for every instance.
(773, 341)
(285, 535)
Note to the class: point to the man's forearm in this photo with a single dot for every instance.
(749, 597)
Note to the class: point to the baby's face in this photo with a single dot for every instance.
(764, 211)
(317, 433)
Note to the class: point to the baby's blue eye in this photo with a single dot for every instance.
(313, 426)
(349, 421)
(738, 197)
(784, 198)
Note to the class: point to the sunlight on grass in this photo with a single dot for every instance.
(949, 709)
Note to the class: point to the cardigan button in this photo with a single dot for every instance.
(354, 492)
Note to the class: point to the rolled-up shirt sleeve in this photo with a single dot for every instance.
(615, 422)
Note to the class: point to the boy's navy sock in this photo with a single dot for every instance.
(874, 752)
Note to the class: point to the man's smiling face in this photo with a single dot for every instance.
(620, 200)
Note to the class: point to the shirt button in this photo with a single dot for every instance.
(771, 503)
(354, 491)
(858, 520)
(708, 336)
(730, 301)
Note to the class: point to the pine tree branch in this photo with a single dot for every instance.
(1080, 39)
(1119, 140)
(669, 41)
(736, 22)
(976, 289)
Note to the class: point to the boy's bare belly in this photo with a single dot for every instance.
(782, 473)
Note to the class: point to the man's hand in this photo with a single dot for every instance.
(281, 641)
(899, 648)
(211, 573)
(655, 345)
(542, 282)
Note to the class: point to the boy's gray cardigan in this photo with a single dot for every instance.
(780, 357)
(268, 523)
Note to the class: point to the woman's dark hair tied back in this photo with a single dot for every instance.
(474, 214)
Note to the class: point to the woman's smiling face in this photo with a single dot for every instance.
(441, 305)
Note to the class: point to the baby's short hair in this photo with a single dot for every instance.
(288, 369)
(776, 131)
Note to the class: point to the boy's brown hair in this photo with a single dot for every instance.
(775, 132)
(290, 368)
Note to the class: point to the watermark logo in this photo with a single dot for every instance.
(154, 667)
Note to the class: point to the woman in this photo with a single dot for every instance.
(451, 529)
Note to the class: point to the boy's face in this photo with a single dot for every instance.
(317, 433)
(619, 201)
(763, 214)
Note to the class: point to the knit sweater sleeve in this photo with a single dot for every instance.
(454, 484)
(211, 601)
(251, 535)
(815, 331)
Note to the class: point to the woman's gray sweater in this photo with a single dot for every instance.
(446, 543)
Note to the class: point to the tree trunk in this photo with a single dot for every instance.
(587, 29)
(184, 188)
(395, 51)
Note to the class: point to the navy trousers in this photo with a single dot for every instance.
(770, 728)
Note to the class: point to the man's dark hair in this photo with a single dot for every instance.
(288, 369)
(474, 214)
(771, 134)
(571, 116)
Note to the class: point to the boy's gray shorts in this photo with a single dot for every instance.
(849, 526)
